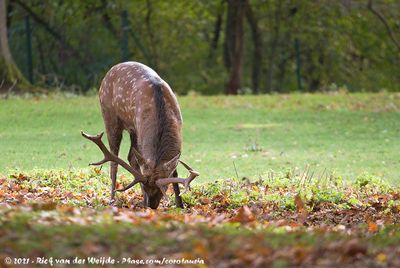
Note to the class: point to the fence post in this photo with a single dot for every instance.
(298, 64)
(125, 31)
(29, 49)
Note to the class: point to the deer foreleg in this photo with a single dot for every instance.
(178, 198)
(114, 136)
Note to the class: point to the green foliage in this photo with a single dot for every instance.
(370, 182)
(68, 187)
(341, 44)
(232, 193)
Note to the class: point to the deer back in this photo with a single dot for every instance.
(135, 95)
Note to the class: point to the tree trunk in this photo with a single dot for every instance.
(234, 44)
(10, 75)
(274, 46)
(217, 32)
(153, 40)
(257, 52)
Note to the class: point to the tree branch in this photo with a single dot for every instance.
(54, 33)
(107, 21)
(384, 21)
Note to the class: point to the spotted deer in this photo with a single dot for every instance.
(134, 98)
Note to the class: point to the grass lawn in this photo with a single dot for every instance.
(341, 134)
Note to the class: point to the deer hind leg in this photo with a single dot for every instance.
(114, 130)
(178, 198)
(134, 164)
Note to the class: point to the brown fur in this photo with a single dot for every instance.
(134, 98)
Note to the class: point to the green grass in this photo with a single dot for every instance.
(347, 135)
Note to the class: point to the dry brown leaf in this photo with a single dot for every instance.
(244, 215)
(372, 227)
(355, 247)
(301, 210)
(299, 203)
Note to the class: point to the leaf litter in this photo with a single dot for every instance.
(228, 223)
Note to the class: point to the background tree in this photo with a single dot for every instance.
(213, 47)
(257, 47)
(384, 21)
(234, 44)
(10, 75)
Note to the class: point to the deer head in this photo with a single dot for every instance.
(155, 188)
(152, 173)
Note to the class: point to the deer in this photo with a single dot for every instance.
(134, 98)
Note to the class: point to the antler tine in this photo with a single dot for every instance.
(129, 186)
(108, 156)
(186, 165)
(92, 137)
(186, 182)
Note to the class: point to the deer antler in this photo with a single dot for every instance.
(186, 182)
(108, 156)
(185, 165)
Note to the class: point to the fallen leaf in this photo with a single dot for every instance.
(299, 203)
(355, 247)
(301, 210)
(244, 215)
(372, 227)
(381, 257)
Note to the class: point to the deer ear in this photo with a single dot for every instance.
(171, 164)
